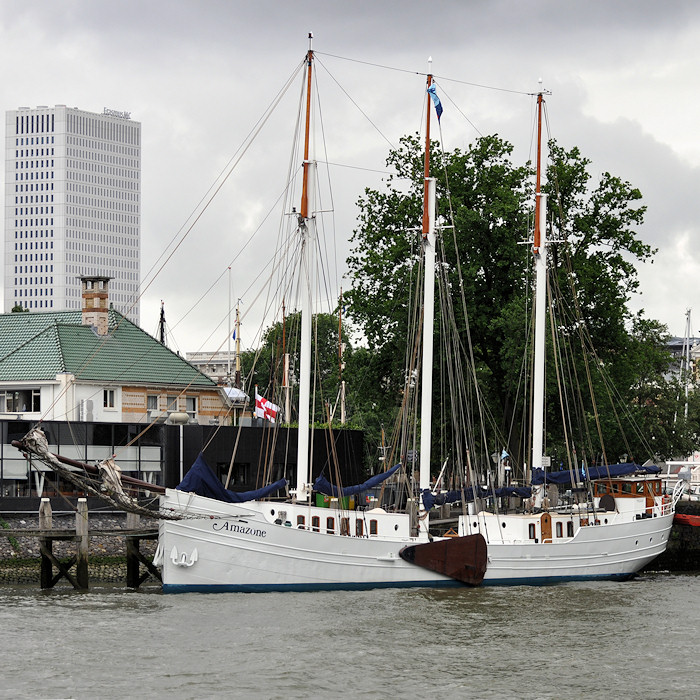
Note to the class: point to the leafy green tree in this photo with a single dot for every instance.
(490, 207)
(264, 367)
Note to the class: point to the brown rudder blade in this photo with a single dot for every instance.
(460, 558)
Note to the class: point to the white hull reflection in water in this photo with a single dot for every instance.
(466, 642)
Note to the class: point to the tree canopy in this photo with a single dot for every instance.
(489, 203)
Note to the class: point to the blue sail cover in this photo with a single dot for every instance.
(200, 479)
(322, 485)
(539, 476)
(467, 495)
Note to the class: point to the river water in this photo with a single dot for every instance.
(576, 640)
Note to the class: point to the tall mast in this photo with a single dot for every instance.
(161, 323)
(428, 241)
(307, 231)
(228, 345)
(237, 376)
(540, 254)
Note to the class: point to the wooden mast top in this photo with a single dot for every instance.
(305, 183)
(426, 168)
(538, 176)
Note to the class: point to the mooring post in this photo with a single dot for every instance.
(45, 514)
(81, 531)
(45, 523)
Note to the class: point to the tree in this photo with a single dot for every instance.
(264, 367)
(490, 206)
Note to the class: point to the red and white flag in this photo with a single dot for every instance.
(265, 409)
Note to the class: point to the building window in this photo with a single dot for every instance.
(152, 402)
(191, 407)
(108, 398)
(20, 401)
(172, 403)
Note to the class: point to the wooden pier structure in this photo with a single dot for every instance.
(75, 570)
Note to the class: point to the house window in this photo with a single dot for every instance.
(191, 407)
(108, 398)
(152, 402)
(172, 403)
(20, 401)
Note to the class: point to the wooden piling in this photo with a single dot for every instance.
(81, 532)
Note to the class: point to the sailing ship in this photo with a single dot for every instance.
(212, 539)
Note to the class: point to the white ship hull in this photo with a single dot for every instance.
(231, 547)
(616, 550)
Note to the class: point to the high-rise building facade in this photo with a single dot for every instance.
(72, 207)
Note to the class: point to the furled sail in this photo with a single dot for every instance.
(200, 479)
(322, 485)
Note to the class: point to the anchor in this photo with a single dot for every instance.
(182, 559)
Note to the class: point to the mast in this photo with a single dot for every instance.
(161, 323)
(228, 353)
(237, 377)
(428, 241)
(307, 232)
(540, 254)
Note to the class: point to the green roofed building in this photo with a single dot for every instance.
(96, 365)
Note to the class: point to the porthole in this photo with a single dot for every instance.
(474, 525)
(503, 524)
(272, 512)
(396, 527)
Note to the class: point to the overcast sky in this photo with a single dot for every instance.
(198, 76)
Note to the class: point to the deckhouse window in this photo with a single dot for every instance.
(570, 529)
(359, 528)
(301, 521)
(372, 527)
(531, 531)
(560, 530)
(315, 523)
(345, 526)
(330, 525)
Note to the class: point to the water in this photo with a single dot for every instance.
(592, 640)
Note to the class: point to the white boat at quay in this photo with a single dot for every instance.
(603, 522)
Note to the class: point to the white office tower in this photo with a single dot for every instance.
(72, 207)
